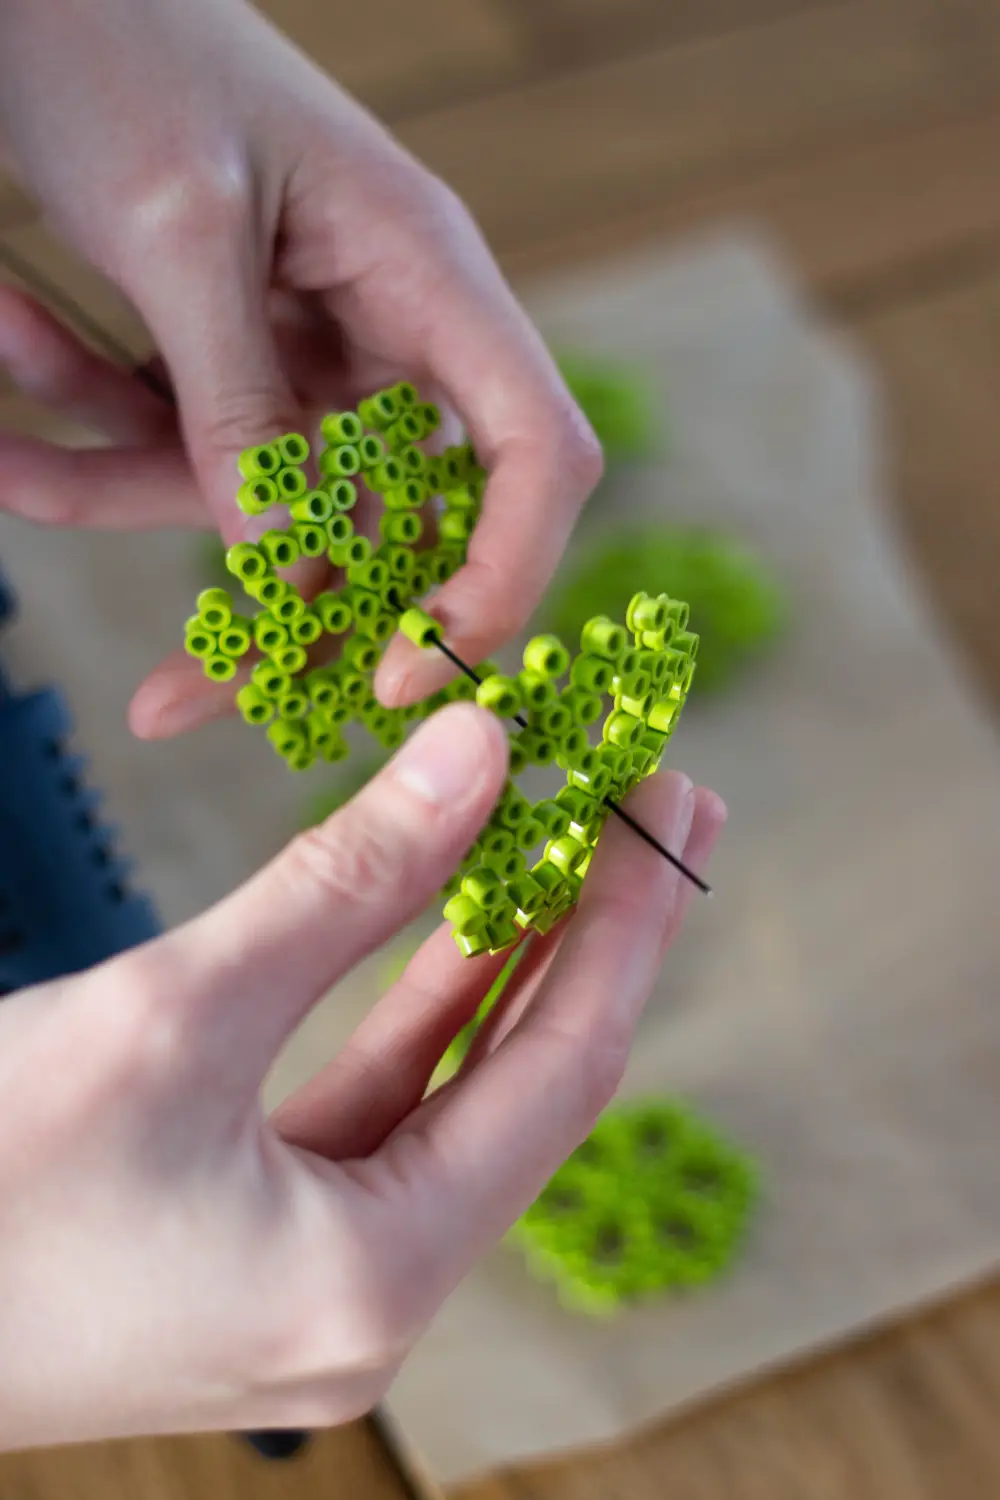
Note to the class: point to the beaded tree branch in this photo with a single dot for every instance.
(630, 678)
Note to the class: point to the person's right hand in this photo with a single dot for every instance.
(170, 1259)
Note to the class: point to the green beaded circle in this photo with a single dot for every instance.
(602, 716)
(654, 1200)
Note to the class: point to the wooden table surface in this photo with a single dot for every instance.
(864, 135)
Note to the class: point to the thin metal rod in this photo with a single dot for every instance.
(609, 802)
(654, 843)
(469, 672)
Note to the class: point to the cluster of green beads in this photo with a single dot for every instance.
(653, 1201)
(645, 666)
(304, 710)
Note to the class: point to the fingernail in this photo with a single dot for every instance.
(389, 681)
(400, 682)
(190, 711)
(447, 758)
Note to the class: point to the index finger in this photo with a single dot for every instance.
(542, 459)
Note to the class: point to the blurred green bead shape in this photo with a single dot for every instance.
(601, 716)
(617, 402)
(653, 1201)
(739, 604)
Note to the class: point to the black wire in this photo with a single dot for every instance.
(608, 802)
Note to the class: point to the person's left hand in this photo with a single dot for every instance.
(288, 256)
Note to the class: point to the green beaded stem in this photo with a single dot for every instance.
(602, 715)
(654, 1201)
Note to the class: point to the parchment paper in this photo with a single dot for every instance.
(837, 1007)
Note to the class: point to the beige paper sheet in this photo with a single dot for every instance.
(837, 1007)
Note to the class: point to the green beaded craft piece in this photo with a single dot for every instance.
(628, 682)
(652, 1201)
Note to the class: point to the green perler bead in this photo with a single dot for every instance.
(236, 639)
(264, 460)
(420, 628)
(246, 561)
(219, 668)
(256, 496)
(309, 537)
(215, 608)
(500, 694)
(342, 427)
(603, 715)
(199, 641)
(253, 705)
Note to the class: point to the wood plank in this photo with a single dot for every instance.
(394, 54)
(940, 360)
(565, 33)
(850, 216)
(347, 1462)
(908, 1414)
(16, 206)
(568, 154)
(856, 222)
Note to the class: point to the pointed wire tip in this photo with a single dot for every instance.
(654, 843)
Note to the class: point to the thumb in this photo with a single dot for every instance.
(206, 306)
(242, 975)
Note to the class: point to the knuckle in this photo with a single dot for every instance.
(177, 206)
(593, 1066)
(55, 505)
(446, 211)
(508, 614)
(137, 1036)
(602, 1068)
(488, 588)
(241, 417)
(353, 859)
(49, 496)
(434, 209)
(340, 1312)
(580, 455)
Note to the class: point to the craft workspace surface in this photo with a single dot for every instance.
(864, 137)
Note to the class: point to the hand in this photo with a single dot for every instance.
(287, 256)
(170, 1259)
